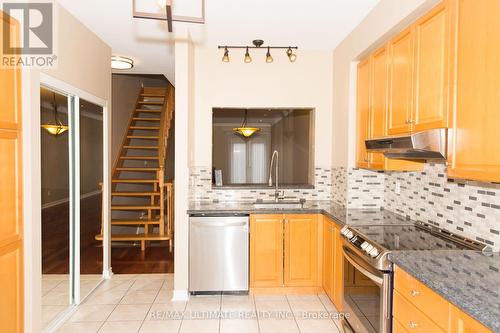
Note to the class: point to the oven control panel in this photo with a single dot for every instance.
(361, 243)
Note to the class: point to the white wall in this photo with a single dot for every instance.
(385, 20)
(84, 63)
(305, 83)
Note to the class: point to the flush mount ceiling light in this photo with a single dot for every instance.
(244, 130)
(57, 128)
(258, 44)
(119, 62)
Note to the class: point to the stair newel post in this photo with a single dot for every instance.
(161, 179)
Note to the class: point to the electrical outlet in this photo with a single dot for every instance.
(397, 188)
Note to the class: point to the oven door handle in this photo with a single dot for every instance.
(378, 280)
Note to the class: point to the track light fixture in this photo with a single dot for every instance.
(225, 58)
(258, 44)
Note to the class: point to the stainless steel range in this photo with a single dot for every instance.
(368, 276)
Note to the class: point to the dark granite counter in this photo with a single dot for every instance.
(336, 212)
(469, 280)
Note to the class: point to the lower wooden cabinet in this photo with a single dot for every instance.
(332, 263)
(416, 308)
(285, 250)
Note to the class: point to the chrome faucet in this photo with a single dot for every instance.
(277, 193)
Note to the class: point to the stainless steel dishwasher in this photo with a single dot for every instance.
(218, 254)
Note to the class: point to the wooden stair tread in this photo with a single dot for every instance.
(136, 169)
(134, 207)
(147, 111)
(145, 119)
(134, 222)
(151, 102)
(146, 128)
(140, 147)
(145, 137)
(152, 95)
(146, 181)
(134, 194)
(138, 157)
(134, 237)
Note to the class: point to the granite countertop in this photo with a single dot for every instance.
(470, 280)
(337, 213)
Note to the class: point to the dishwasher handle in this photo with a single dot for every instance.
(201, 224)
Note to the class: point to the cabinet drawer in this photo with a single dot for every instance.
(397, 327)
(411, 318)
(422, 297)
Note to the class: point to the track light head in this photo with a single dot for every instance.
(225, 58)
(269, 58)
(248, 58)
(291, 56)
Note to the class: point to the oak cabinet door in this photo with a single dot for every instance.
(266, 250)
(432, 69)
(11, 224)
(301, 251)
(400, 83)
(362, 112)
(463, 323)
(474, 145)
(338, 270)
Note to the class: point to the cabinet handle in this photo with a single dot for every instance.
(414, 293)
(285, 221)
(412, 325)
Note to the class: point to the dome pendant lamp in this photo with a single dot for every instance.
(244, 130)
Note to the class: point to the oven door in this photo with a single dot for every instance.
(367, 295)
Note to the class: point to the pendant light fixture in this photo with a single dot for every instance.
(269, 58)
(247, 59)
(57, 128)
(244, 130)
(259, 44)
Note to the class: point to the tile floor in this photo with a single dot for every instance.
(142, 303)
(55, 293)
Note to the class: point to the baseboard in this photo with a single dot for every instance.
(181, 295)
(286, 290)
(65, 200)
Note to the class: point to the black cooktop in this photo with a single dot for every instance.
(407, 237)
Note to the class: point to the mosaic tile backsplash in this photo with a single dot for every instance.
(201, 188)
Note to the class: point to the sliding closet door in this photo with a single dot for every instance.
(11, 226)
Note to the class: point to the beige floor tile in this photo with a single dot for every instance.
(81, 327)
(307, 306)
(200, 326)
(50, 312)
(116, 284)
(272, 306)
(278, 326)
(238, 303)
(317, 326)
(327, 303)
(166, 311)
(147, 284)
(204, 303)
(126, 312)
(239, 326)
(56, 298)
(164, 326)
(106, 297)
(139, 297)
(48, 285)
(164, 296)
(92, 312)
(121, 327)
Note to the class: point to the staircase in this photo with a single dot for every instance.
(139, 192)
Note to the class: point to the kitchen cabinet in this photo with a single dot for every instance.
(432, 69)
(362, 112)
(400, 83)
(285, 250)
(301, 250)
(417, 308)
(266, 250)
(460, 322)
(474, 152)
(332, 263)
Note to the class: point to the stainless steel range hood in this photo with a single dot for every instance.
(426, 145)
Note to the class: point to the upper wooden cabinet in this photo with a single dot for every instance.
(362, 114)
(473, 140)
(400, 83)
(432, 69)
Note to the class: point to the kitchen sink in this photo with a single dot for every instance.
(279, 204)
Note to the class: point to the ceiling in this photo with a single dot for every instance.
(271, 116)
(311, 25)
